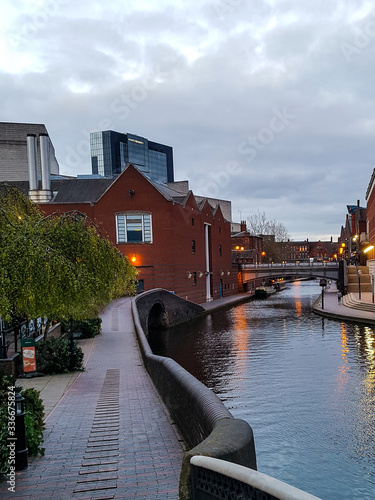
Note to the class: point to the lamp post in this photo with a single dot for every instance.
(21, 447)
(323, 284)
(359, 283)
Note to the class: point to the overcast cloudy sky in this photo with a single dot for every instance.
(268, 103)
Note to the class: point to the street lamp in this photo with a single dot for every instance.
(323, 284)
(20, 431)
(359, 283)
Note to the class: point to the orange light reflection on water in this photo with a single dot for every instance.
(343, 375)
(298, 299)
(241, 339)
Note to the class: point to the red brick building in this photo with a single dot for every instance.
(175, 241)
(246, 247)
(354, 234)
(304, 251)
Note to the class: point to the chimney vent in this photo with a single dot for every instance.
(32, 162)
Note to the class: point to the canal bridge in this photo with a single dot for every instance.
(254, 272)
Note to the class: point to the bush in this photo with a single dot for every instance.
(58, 356)
(89, 328)
(34, 421)
(34, 424)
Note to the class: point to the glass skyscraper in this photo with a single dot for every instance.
(112, 151)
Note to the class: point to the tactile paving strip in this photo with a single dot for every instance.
(98, 473)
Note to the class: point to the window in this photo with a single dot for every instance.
(220, 251)
(194, 278)
(192, 246)
(140, 286)
(134, 228)
(192, 221)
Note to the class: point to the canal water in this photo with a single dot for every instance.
(304, 383)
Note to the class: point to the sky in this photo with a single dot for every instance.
(267, 103)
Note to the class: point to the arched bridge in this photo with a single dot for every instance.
(329, 270)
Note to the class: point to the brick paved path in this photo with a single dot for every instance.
(109, 437)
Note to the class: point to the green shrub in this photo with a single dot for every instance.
(58, 356)
(34, 420)
(89, 328)
(6, 381)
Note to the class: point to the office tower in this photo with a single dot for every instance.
(112, 151)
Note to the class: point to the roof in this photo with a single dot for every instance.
(79, 190)
(72, 190)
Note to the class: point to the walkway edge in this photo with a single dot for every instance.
(202, 419)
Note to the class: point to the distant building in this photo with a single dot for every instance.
(246, 247)
(112, 151)
(14, 151)
(354, 234)
(305, 251)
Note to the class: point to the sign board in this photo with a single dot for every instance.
(28, 355)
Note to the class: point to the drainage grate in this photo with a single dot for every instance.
(98, 473)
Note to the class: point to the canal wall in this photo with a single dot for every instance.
(203, 421)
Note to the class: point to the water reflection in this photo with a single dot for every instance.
(343, 375)
(305, 385)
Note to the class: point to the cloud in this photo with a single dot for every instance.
(207, 79)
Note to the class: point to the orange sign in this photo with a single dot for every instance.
(28, 355)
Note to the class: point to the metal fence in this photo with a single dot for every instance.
(12, 333)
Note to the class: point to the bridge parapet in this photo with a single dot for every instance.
(328, 270)
(288, 265)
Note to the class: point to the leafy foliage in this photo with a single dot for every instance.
(34, 420)
(56, 356)
(55, 266)
(89, 328)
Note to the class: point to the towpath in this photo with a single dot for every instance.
(107, 433)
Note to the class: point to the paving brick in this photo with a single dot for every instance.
(109, 436)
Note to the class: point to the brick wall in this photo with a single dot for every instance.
(169, 261)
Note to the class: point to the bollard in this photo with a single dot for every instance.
(21, 449)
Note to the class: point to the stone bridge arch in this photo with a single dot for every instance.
(158, 316)
(158, 307)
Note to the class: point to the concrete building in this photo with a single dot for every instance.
(14, 151)
(112, 151)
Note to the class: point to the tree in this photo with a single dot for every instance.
(55, 266)
(274, 233)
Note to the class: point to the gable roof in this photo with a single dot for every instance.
(91, 190)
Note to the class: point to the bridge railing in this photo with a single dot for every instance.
(290, 265)
(214, 479)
